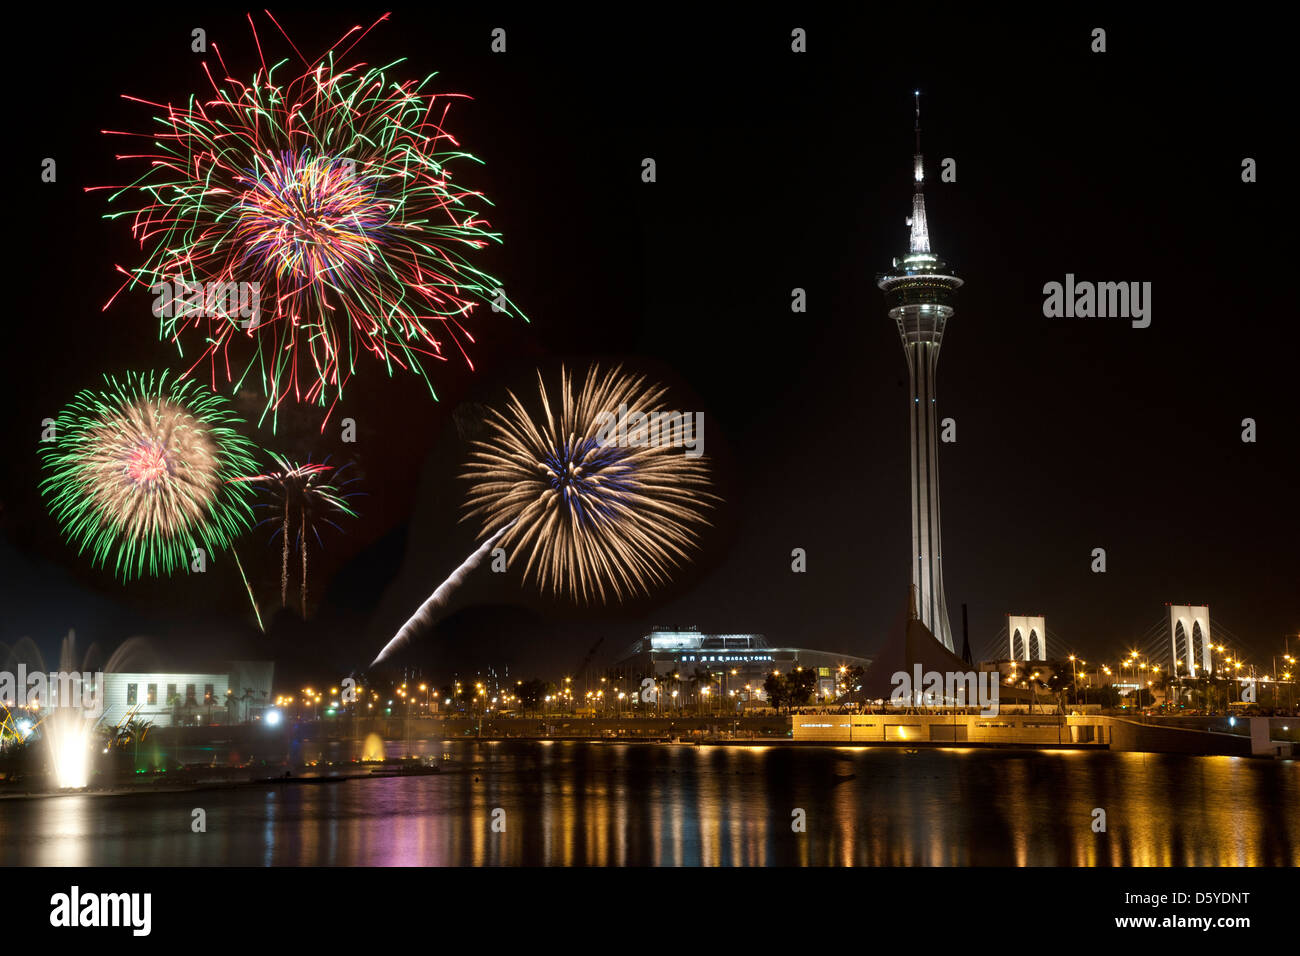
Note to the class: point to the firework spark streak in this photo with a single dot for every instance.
(436, 603)
(301, 493)
(257, 612)
(595, 519)
(331, 193)
(147, 470)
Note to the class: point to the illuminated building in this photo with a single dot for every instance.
(237, 695)
(666, 651)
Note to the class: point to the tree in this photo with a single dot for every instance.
(700, 679)
(1106, 695)
(1062, 680)
(851, 678)
(127, 735)
(115, 738)
(246, 699)
(777, 689)
(640, 684)
(802, 683)
(667, 683)
(532, 693)
(135, 730)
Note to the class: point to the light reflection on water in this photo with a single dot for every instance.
(571, 803)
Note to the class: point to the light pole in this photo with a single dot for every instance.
(1226, 689)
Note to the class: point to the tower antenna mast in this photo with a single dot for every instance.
(917, 94)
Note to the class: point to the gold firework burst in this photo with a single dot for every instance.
(600, 492)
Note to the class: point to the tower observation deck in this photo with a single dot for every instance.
(920, 291)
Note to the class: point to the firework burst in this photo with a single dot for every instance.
(328, 194)
(305, 495)
(594, 516)
(145, 471)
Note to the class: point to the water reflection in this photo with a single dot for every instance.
(571, 803)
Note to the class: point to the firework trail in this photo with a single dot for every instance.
(595, 516)
(436, 603)
(301, 493)
(257, 612)
(329, 189)
(147, 470)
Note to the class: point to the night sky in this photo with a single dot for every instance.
(775, 171)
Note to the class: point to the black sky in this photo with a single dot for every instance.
(775, 170)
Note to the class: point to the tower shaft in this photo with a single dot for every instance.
(920, 291)
(927, 547)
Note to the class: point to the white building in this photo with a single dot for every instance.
(164, 699)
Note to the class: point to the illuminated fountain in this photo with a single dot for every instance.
(374, 749)
(69, 725)
(60, 708)
(67, 732)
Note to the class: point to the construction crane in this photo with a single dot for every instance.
(582, 668)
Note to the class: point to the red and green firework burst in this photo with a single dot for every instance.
(298, 220)
(141, 473)
(306, 495)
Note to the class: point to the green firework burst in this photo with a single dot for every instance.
(140, 473)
